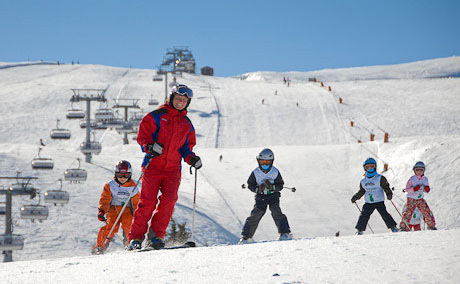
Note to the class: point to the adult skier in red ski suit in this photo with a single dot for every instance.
(167, 136)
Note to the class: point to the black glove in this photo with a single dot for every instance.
(390, 195)
(100, 215)
(268, 185)
(353, 199)
(155, 149)
(261, 189)
(196, 162)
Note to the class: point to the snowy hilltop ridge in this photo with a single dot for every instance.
(433, 68)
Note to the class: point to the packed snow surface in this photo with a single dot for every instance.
(316, 151)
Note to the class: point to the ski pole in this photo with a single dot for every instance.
(291, 188)
(127, 201)
(402, 219)
(192, 243)
(361, 212)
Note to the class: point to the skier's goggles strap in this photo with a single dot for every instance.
(184, 91)
(265, 162)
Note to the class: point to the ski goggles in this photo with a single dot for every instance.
(265, 162)
(183, 91)
(123, 175)
(419, 169)
(369, 166)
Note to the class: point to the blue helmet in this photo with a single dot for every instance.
(265, 159)
(371, 172)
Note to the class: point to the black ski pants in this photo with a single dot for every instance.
(368, 208)
(262, 201)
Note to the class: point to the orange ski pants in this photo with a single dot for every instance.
(125, 220)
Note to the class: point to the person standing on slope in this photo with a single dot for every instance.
(266, 182)
(113, 197)
(373, 186)
(167, 136)
(415, 188)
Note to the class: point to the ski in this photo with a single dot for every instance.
(164, 248)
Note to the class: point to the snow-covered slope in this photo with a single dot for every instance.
(433, 68)
(315, 149)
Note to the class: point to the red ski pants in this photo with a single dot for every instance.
(424, 209)
(153, 182)
(112, 215)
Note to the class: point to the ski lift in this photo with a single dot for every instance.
(100, 125)
(11, 242)
(55, 197)
(75, 113)
(103, 114)
(92, 123)
(127, 128)
(114, 123)
(91, 148)
(42, 163)
(75, 175)
(34, 212)
(59, 133)
(153, 102)
(2, 208)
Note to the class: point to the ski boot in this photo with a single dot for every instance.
(156, 243)
(134, 244)
(403, 229)
(285, 237)
(245, 240)
(98, 250)
(432, 228)
(359, 233)
(394, 229)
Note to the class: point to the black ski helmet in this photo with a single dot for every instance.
(182, 90)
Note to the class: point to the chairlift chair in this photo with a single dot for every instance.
(75, 175)
(60, 133)
(2, 208)
(103, 114)
(11, 242)
(75, 113)
(91, 148)
(92, 123)
(127, 128)
(114, 123)
(55, 197)
(153, 102)
(34, 212)
(42, 163)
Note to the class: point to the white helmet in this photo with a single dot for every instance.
(264, 156)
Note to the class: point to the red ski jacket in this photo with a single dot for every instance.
(174, 130)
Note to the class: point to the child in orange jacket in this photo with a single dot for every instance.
(113, 197)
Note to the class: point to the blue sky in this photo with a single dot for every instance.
(234, 37)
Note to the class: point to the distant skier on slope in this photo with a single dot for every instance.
(266, 182)
(113, 197)
(167, 136)
(373, 186)
(415, 187)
